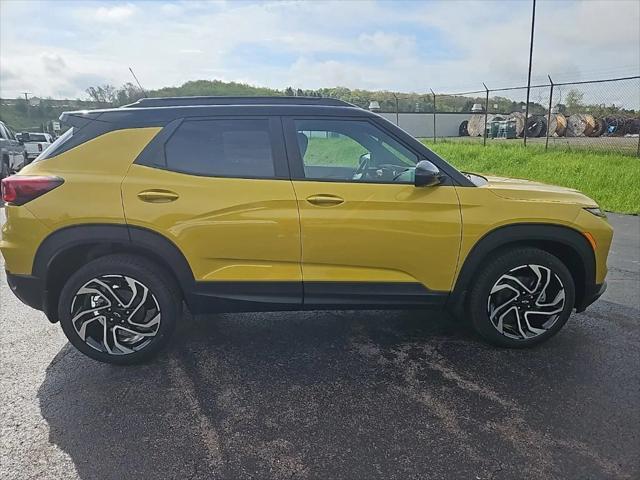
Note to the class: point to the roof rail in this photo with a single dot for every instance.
(204, 100)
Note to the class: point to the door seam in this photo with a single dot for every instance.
(295, 194)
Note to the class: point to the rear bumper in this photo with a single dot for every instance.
(591, 296)
(30, 290)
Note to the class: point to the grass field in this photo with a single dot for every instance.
(342, 151)
(613, 180)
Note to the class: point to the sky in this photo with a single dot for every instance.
(58, 49)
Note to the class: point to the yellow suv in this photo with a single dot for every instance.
(283, 203)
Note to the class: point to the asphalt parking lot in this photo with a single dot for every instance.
(353, 395)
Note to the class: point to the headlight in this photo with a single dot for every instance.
(596, 211)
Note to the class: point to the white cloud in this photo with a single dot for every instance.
(388, 43)
(53, 63)
(116, 13)
(447, 46)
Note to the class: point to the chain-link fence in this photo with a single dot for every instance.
(596, 115)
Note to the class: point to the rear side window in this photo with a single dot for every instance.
(222, 148)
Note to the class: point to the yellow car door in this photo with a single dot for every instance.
(219, 189)
(369, 236)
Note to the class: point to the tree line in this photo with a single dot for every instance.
(406, 102)
(22, 115)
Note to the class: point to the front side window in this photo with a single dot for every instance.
(221, 148)
(352, 150)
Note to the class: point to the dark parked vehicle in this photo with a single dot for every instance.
(12, 152)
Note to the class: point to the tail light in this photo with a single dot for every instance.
(39, 147)
(20, 189)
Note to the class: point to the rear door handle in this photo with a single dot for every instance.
(325, 200)
(158, 196)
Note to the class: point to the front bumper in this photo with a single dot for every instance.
(594, 293)
(29, 289)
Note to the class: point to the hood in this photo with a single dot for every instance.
(518, 189)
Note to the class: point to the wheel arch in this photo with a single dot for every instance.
(65, 250)
(566, 243)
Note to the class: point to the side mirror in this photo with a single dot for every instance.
(427, 174)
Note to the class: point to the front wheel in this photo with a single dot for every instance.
(521, 297)
(119, 309)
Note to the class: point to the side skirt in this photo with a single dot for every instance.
(241, 296)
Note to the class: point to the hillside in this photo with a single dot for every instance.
(22, 116)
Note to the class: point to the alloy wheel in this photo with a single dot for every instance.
(115, 314)
(526, 301)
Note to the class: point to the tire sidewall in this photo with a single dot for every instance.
(490, 274)
(153, 278)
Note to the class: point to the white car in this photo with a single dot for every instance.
(35, 143)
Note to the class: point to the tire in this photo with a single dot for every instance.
(138, 323)
(508, 315)
(4, 168)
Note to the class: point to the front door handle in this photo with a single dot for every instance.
(325, 200)
(158, 196)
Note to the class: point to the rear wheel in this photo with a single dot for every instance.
(521, 297)
(119, 309)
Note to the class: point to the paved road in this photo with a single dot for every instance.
(332, 395)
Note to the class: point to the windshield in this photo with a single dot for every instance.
(55, 146)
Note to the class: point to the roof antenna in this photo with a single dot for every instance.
(138, 82)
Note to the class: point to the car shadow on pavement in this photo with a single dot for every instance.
(314, 395)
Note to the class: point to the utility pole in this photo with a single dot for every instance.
(434, 115)
(486, 113)
(546, 142)
(526, 110)
(26, 99)
(397, 110)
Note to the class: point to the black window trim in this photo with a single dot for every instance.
(296, 163)
(154, 156)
